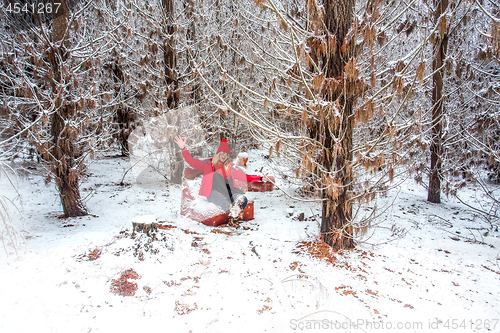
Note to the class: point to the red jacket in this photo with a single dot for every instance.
(208, 173)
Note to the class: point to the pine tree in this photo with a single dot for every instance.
(336, 133)
(62, 151)
(438, 61)
(172, 81)
(333, 97)
(61, 111)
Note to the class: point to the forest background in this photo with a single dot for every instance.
(350, 95)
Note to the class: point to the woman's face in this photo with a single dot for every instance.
(223, 156)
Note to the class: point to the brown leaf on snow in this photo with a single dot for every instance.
(317, 249)
(184, 309)
(91, 255)
(129, 274)
(403, 279)
(349, 292)
(220, 231)
(346, 290)
(162, 226)
(189, 232)
(171, 283)
(95, 254)
(264, 308)
(122, 286)
(147, 289)
(341, 287)
(366, 254)
(296, 266)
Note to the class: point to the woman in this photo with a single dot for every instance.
(217, 184)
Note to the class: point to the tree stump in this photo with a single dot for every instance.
(145, 224)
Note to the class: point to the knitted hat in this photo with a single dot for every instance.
(224, 146)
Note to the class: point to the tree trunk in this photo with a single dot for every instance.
(440, 46)
(63, 150)
(170, 57)
(177, 160)
(336, 228)
(150, 229)
(124, 117)
(173, 93)
(338, 20)
(194, 90)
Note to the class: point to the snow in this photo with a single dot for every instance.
(243, 155)
(145, 219)
(422, 264)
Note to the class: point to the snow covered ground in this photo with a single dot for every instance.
(440, 273)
